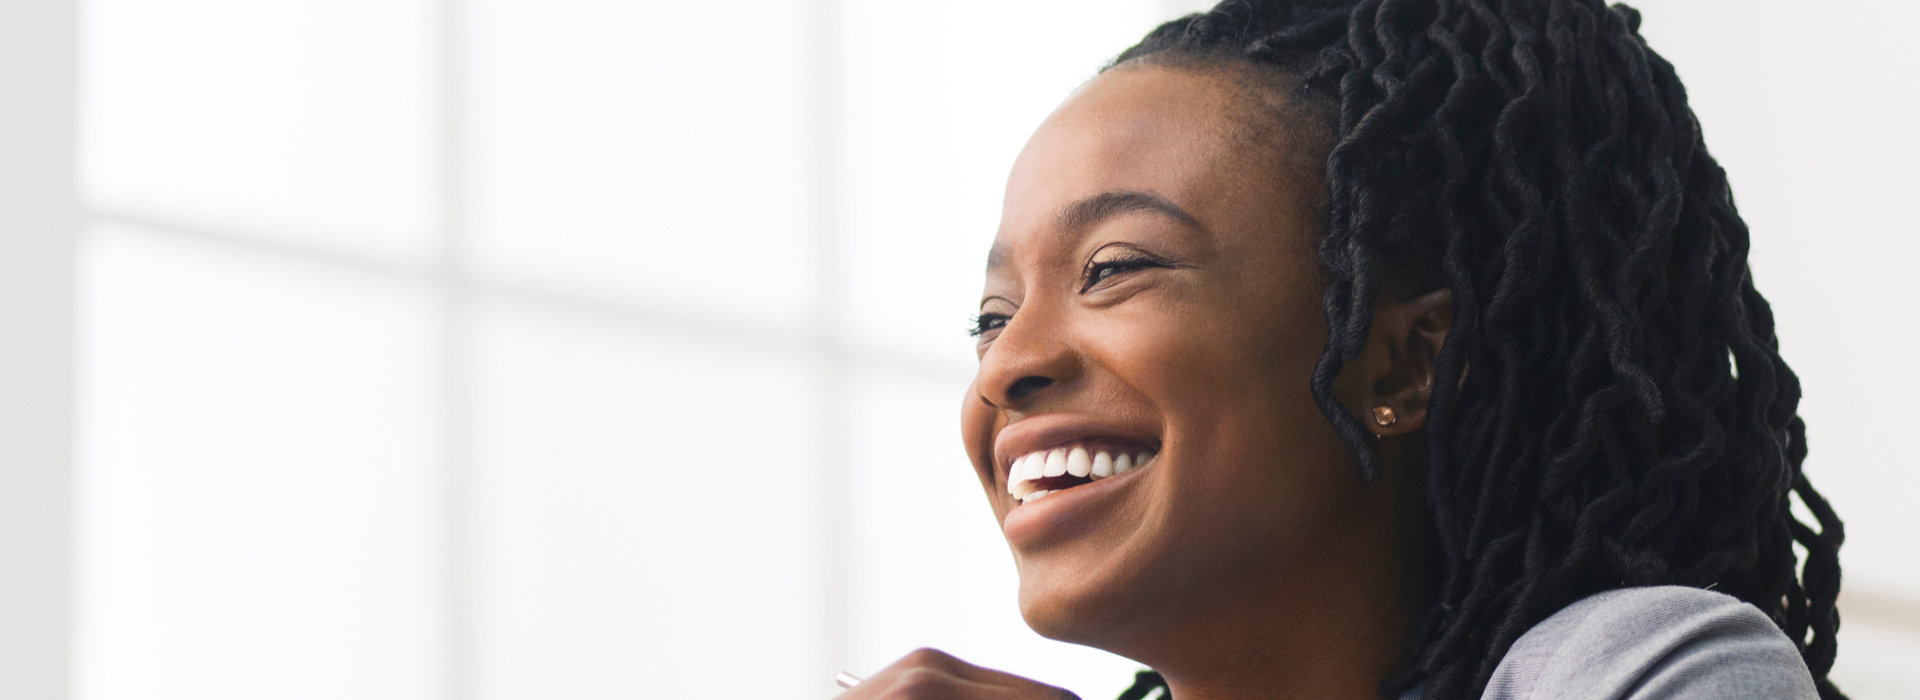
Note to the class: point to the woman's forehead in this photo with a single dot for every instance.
(1172, 133)
(1135, 130)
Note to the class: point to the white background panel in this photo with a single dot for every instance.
(296, 120)
(257, 518)
(938, 100)
(928, 563)
(1819, 153)
(652, 151)
(643, 524)
(1877, 662)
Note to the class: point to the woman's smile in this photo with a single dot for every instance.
(1050, 452)
(1060, 513)
(1058, 472)
(1064, 467)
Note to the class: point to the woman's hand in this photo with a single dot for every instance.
(928, 674)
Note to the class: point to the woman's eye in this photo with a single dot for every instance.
(984, 323)
(1103, 270)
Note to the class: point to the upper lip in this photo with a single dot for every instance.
(1031, 435)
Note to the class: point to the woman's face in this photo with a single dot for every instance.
(1154, 268)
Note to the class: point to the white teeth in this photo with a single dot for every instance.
(1056, 463)
(1078, 464)
(1025, 472)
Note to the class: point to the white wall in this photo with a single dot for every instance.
(498, 349)
(589, 348)
(1809, 111)
(38, 67)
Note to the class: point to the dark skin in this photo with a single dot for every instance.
(1153, 282)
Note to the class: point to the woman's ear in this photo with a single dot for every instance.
(1401, 361)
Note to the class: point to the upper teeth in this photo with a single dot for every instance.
(1078, 461)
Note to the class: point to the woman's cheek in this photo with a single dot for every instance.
(978, 423)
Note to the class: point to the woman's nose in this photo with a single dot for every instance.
(1028, 362)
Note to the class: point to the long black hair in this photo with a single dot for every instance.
(1610, 407)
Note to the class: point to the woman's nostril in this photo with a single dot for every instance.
(1025, 387)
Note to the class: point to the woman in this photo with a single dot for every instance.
(1364, 348)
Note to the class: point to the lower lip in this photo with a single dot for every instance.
(1066, 510)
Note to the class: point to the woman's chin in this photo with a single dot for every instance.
(1078, 609)
(1056, 616)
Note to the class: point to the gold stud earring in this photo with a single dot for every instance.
(1384, 416)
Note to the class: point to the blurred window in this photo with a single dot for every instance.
(596, 348)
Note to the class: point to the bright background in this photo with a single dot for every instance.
(501, 349)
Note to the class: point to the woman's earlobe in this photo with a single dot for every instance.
(1413, 331)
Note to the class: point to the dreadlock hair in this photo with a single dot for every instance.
(1627, 420)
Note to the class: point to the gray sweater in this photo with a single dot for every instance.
(1651, 643)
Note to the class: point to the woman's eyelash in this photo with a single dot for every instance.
(981, 323)
(1095, 273)
(1102, 270)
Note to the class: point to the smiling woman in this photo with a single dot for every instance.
(1392, 348)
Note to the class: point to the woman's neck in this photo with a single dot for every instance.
(1327, 629)
(1327, 644)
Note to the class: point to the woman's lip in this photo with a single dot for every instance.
(1035, 434)
(1058, 512)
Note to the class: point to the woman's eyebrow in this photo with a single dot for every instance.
(1084, 214)
(996, 256)
(1078, 217)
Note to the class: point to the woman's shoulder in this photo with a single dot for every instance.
(1653, 642)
